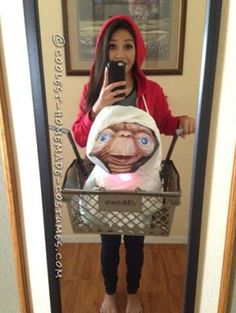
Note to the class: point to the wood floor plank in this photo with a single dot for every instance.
(162, 282)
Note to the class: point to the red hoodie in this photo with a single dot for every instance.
(150, 96)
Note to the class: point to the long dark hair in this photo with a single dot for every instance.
(102, 57)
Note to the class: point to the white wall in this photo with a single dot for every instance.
(9, 300)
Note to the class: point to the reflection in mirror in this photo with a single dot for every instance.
(165, 257)
(209, 56)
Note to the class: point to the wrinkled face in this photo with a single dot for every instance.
(122, 48)
(122, 146)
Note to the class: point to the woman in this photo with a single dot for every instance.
(120, 39)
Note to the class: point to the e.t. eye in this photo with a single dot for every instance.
(104, 137)
(144, 141)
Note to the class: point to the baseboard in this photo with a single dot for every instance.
(87, 238)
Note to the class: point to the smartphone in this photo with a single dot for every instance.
(116, 73)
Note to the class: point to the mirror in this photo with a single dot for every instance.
(205, 80)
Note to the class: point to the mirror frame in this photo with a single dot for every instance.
(207, 77)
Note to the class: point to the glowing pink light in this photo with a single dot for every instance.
(125, 177)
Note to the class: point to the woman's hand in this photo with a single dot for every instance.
(108, 97)
(188, 124)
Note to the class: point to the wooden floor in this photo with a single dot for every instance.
(162, 283)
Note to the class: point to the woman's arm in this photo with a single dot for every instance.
(85, 118)
(83, 122)
(166, 122)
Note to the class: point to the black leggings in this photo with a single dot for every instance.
(110, 261)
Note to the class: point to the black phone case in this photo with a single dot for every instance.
(116, 73)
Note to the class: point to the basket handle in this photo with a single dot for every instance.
(67, 132)
(178, 132)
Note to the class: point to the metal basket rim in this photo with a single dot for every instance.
(72, 191)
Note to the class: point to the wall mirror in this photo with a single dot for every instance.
(46, 64)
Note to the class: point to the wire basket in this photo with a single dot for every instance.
(116, 212)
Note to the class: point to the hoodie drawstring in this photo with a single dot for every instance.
(145, 104)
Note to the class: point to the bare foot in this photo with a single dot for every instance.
(133, 304)
(109, 304)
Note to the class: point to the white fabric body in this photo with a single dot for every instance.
(146, 177)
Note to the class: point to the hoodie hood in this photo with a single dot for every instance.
(140, 48)
(133, 148)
